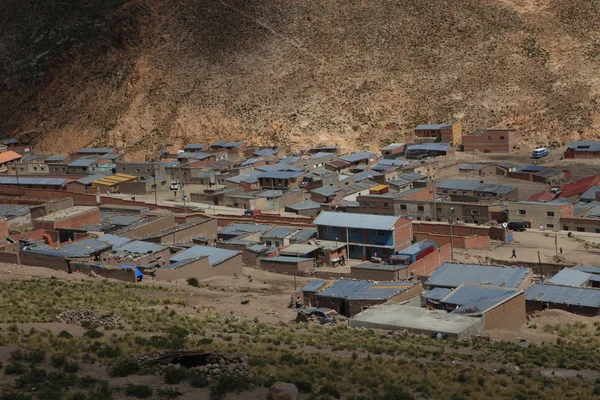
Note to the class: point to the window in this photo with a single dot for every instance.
(373, 204)
(565, 228)
(580, 229)
(35, 168)
(122, 168)
(549, 213)
(522, 212)
(550, 226)
(489, 138)
(137, 170)
(268, 242)
(438, 209)
(386, 205)
(597, 230)
(403, 206)
(420, 208)
(364, 204)
(380, 233)
(474, 212)
(147, 170)
(501, 137)
(444, 191)
(330, 229)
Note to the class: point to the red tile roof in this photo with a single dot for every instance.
(9, 156)
(543, 196)
(580, 186)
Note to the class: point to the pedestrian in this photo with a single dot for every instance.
(561, 250)
(514, 253)
(298, 302)
(176, 193)
(132, 198)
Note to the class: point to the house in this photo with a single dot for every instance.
(379, 272)
(573, 190)
(8, 157)
(201, 262)
(324, 149)
(350, 297)
(111, 183)
(450, 133)
(451, 276)
(365, 235)
(474, 190)
(498, 307)
(72, 217)
(576, 300)
(548, 215)
(35, 183)
(306, 208)
(360, 158)
(248, 231)
(196, 159)
(538, 173)
(583, 149)
(288, 265)
(392, 149)
(143, 170)
(234, 150)
(278, 236)
(575, 278)
(492, 140)
(281, 179)
(421, 151)
(81, 166)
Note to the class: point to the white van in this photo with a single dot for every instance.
(540, 152)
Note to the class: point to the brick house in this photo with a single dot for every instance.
(583, 149)
(365, 235)
(492, 140)
(445, 133)
(548, 215)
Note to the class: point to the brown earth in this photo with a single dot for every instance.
(137, 74)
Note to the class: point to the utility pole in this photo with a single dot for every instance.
(556, 243)
(155, 185)
(450, 221)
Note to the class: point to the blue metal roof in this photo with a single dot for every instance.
(313, 285)
(82, 162)
(361, 155)
(429, 147)
(304, 235)
(279, 232)
(9, 141)
(138, 247)
(432, 127)
(215, 255)
(478, 299)
(587, 145)
(590, 194)
(364, 290)
(9, 180)
(588, 268)
(79, 249)
(365, 175)
(114, 240)
(280, 166)
(417, 247)
(380, 267)
(281, 175)
(360, 221)
(564, 295)
(437, 293)
(195, 156)
(570, 277)
(304, 205)
(454, 275)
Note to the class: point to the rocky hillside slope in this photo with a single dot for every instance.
(136, 74)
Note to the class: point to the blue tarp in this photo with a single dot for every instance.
(138, 273)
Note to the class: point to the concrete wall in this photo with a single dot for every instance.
(508, 315)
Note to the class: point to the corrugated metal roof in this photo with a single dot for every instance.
(564, 295)
(304, 205)
(398, 162)
(238, 228)
(437, 293)
(361, 155)
(570, 277)
(279, 232)
(8, 180)
(257, 248)
(114, 240)
(412, 177)
(180, 263)
(458, 184)
(79, 249)
(428, 147)
(304, 234)
(586, 145)
(365, 175)
(215, 255)
(55, 158)
(454, 275)
(590, 194)
(270, 193)
(114, 179)
(138, 247)
(194, 147)
(588, 268)
(379, 267)
(322, 155)
(478, 299)
(417, 247)
(86, 180)
(432, 127)
(9, 141)
(393, 146)
(14, 210)
(281, 175)
(299, 249)
(195, 156)
(360, 221)
(9, 156)
(313, 285)
(364, 290)
(326, 190)
(280, 166)
(266, 152)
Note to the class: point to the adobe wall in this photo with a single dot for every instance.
(368, 274)
(532, 307)
(207, 229)
(40, 260)
(508, 315)
(8, 257)
(304, 266)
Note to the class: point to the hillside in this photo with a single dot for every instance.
(136, 74)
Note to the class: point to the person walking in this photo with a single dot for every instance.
(514, 253)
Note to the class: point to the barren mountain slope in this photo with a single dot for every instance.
(137, 74)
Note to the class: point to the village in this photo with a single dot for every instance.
(448, 235)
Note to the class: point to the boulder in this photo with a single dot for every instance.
(283, 391)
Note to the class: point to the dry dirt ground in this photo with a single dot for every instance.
(137, 74)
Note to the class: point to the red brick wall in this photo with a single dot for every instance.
(582, 154)
(428, 264)
(403, 233)
(460, 242)
(425, 193)
(476, 242)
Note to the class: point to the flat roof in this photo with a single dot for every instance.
(215, 255)
(379, 267)
(585, 297)
(66, 213)
(284, 259)
(417, 320)
(79, 249)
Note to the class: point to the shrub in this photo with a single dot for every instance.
(329, 389)
(93, 334)
(227, 384)
(199, 382)
(175, 375)
(65, 335)
(192, 282)
(71, 367)
(139, 391)
(168, 393)
(124, 368)
(14, 369)
(58, 360)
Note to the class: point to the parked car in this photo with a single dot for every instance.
(517, 226)
(322, 315)
(252, 212)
